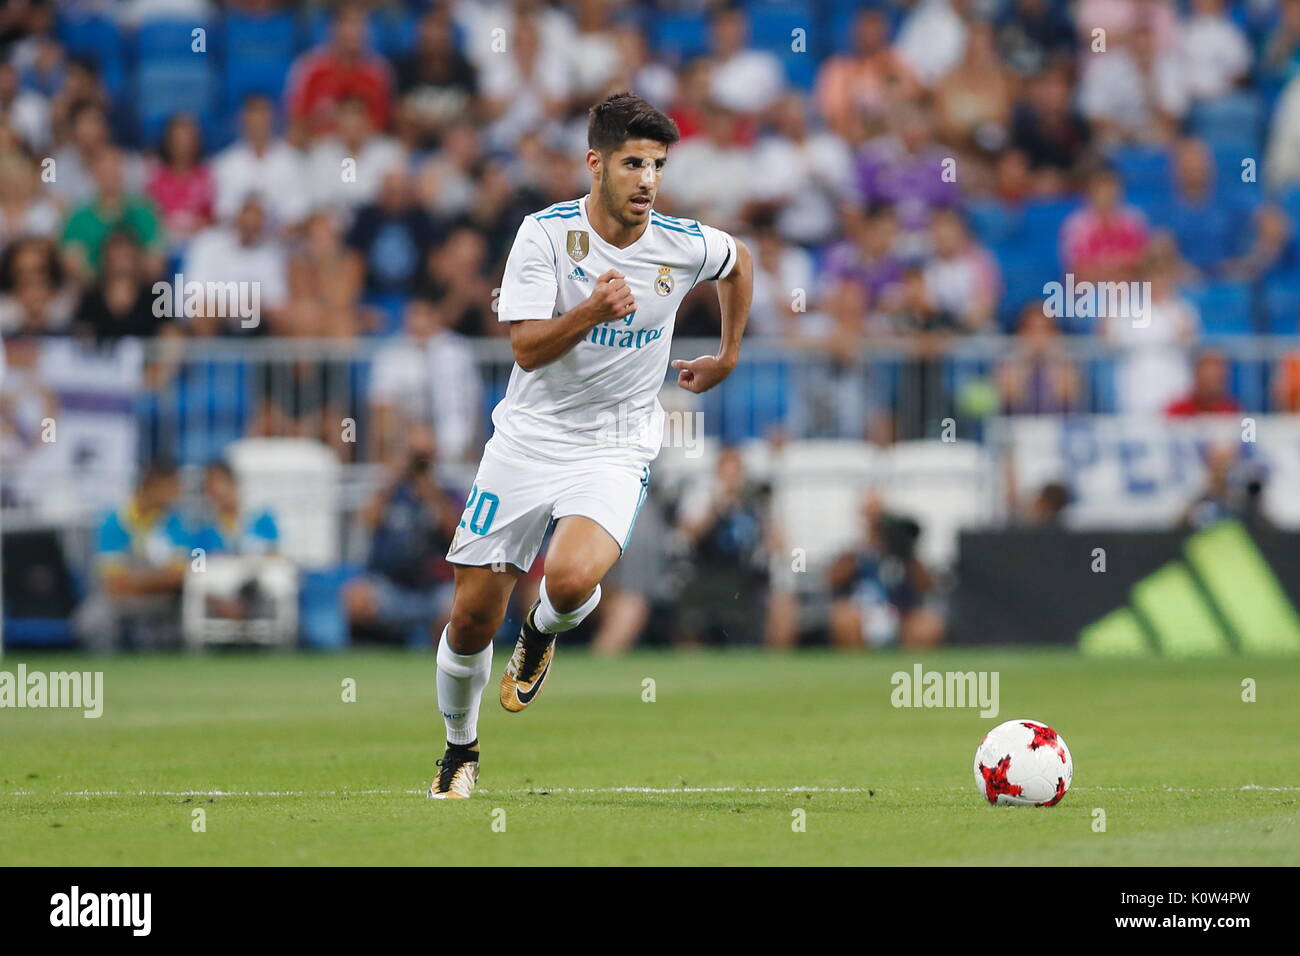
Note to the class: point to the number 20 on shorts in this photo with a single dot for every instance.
(485, 509)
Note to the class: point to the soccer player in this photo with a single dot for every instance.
(591, 291)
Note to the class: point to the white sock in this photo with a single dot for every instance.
(461, 679)
(550, 621)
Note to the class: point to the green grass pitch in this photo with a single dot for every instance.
(286, 772)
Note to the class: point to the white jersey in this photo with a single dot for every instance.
(601, 398)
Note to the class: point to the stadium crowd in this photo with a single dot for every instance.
(908, 174)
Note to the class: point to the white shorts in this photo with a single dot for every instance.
(514, 500)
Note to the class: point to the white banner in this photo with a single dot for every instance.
(1144, 472)
(84, 461)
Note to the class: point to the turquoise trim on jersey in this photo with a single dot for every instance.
(681, 225)
(684, 232)
(560, 215)
(676, 220)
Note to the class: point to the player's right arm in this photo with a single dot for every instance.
(528, 295)
(541, 342)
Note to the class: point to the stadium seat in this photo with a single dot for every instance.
(164, 88)
(1042, 223)
(1281, 296)
(257, 54)
(1235, 121)
(945, 487)
(1142, 167)
(994, 223)
(98, 38)
(681, 36)
(298, 480)
(1225, 308)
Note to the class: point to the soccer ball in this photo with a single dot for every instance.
(1023, 763)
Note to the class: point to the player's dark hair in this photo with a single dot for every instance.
(623, 116)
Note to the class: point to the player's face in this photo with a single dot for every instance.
(629, 180)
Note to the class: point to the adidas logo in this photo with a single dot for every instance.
(1222, 599)
(578, 274)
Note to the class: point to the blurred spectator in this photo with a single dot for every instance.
(1233, 489)
(303, 397)
(1050, 132)
(1032, 34)
(726, 520)
(114, 209)
(593, 50)
(1286, 383)
(141, 554)
(807, 175)
(1217, 49)
(1134, 92)
(408, 585)
(1282, 159)
(742, 79)
(638, 71)
(1105, 239)
(260, 161)
(961, 277)
(882, 593)
(320, 271)
(1206, 223)
(224, 526)
(242, 252)
(932, 38)
(446, 177)
(343, 68)
(783, 279)
(75, 180)
(180, 182)
(1126, 16)
(428, 379)
(457, 281)
(1153, 369)
(1037, 378)
(907, 170)
(866, 256)
(345, 171)
(24, 111)
(927, 325)
(1280, 56)
(390, 238)
(1047, 509)
(854, 90)
(26, 401)
(33, 262)
(712, 175)
(437, 83)
(1270, 246)
(121, 302)
(1209, 393)
(522, 88)
(973, 103)
(25, 209)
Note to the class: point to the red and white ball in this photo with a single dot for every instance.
(1023, 763)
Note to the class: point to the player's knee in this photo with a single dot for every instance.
(570, 584)
(472, 626)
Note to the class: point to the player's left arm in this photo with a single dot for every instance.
(735, 291)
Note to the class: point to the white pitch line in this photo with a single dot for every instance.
(599, 790)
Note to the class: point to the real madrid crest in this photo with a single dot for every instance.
(664, 281)
(578, 244)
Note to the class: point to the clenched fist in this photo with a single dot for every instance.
(611, 299)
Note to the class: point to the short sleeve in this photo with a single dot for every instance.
(719, 254)
(113, 542)
(530, 287)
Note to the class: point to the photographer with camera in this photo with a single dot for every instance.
(882, 593)
(407, 588)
